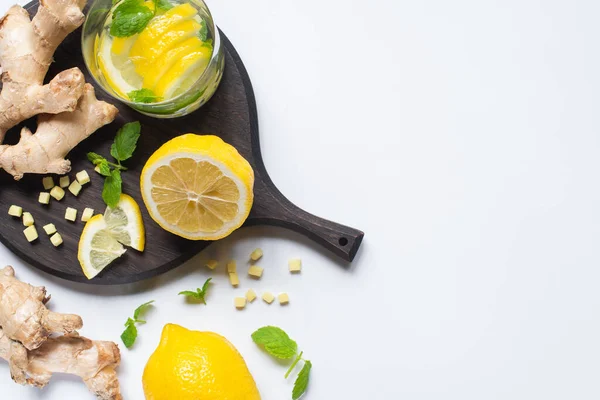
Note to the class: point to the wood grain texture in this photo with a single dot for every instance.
(230, 114)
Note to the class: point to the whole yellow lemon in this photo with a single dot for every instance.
(193, 365)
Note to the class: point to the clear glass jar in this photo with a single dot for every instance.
(192, 99)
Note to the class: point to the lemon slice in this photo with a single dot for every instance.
(198, 187)
(97, 247)
(125, 223)
(186, 71)
(123, 80)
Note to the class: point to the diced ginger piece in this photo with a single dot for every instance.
(234, 279)
(30, 233)
(15, 211)
(97, 169)
(250, 295)
(231, 266)
(268, 297)
(56, 239)
(50, 229)
(64, 181)
(75, 188)
(57, 193)
(27, 219)
(82, 177)
(87, 214)
(212, 264)
(240, 302)
(71, 214)
(283, 298)
(295, 265)
(48, 182)
(256, 254)
(255, 271)
(44, 198)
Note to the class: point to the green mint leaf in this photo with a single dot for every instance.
(203, 33)
(129, 322)
(301, 383)
(275, 341)
(162, 5)
(130, 17)
(104, 168)
(190, 293)
(126, 141)
(129, 335)
(111, 192)
(143, 96)
(202, 292)
(140, 310)
(95, 158)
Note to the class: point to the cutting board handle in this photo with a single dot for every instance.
(275, 209)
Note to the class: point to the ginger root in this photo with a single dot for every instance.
(24, 316)
(33, 356)
(26, 50)
(44, 151)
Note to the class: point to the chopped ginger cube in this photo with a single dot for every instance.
(231, 266)
(15, 211)
(87, 214)
(234, 279)
(56, 239)
(255, 271)
(27, 219)
(240, 302)
(30, 233)
(44, 198)
(82, 177)
(48, 182)
(97, 169)
(75, 188)
(268, 297)
(64, 181)
(283, 298)
(256, 254)
(71, 214)
(295, 265)
(250, 295)
(212, 264)
(57, 193)
(50, 229)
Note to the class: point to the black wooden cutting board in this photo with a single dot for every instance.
(230, 114)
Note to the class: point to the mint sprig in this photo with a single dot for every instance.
(130, 17)
(278, 344)
(122, 149)
(143, 95)
(199, 294)
(130, 333)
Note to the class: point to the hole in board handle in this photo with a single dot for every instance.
(343, 241)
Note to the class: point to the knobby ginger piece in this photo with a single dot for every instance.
(75, 188)
(71, 214)
(64, 181)
(234, 279)
(49, 229)
(56, 239)
(28, 219)
(256, 255)
(48, 182)
(250, 295)
(15, 211)
(87, 214)
(255, 271)
(268, 297)
(283, 298)
(30, 233)
(240, 302)
(82, 177)
(57, 193)
(44, 198)
(212, 264)
(231, 266)
(295, 265)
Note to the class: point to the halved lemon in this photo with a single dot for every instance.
(103, 236)
(198, 187)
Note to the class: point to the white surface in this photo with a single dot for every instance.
(462, 137)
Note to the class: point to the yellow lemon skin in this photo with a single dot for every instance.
(194, 365)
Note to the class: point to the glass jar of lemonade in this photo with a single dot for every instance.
(161, 57)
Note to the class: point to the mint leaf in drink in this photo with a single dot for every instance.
(130, 17)
(162, 5)
(203, 33)
(111, 192)
(126, 141)
(275, 341)
(143, 96)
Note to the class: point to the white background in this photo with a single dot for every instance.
(463, 138)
